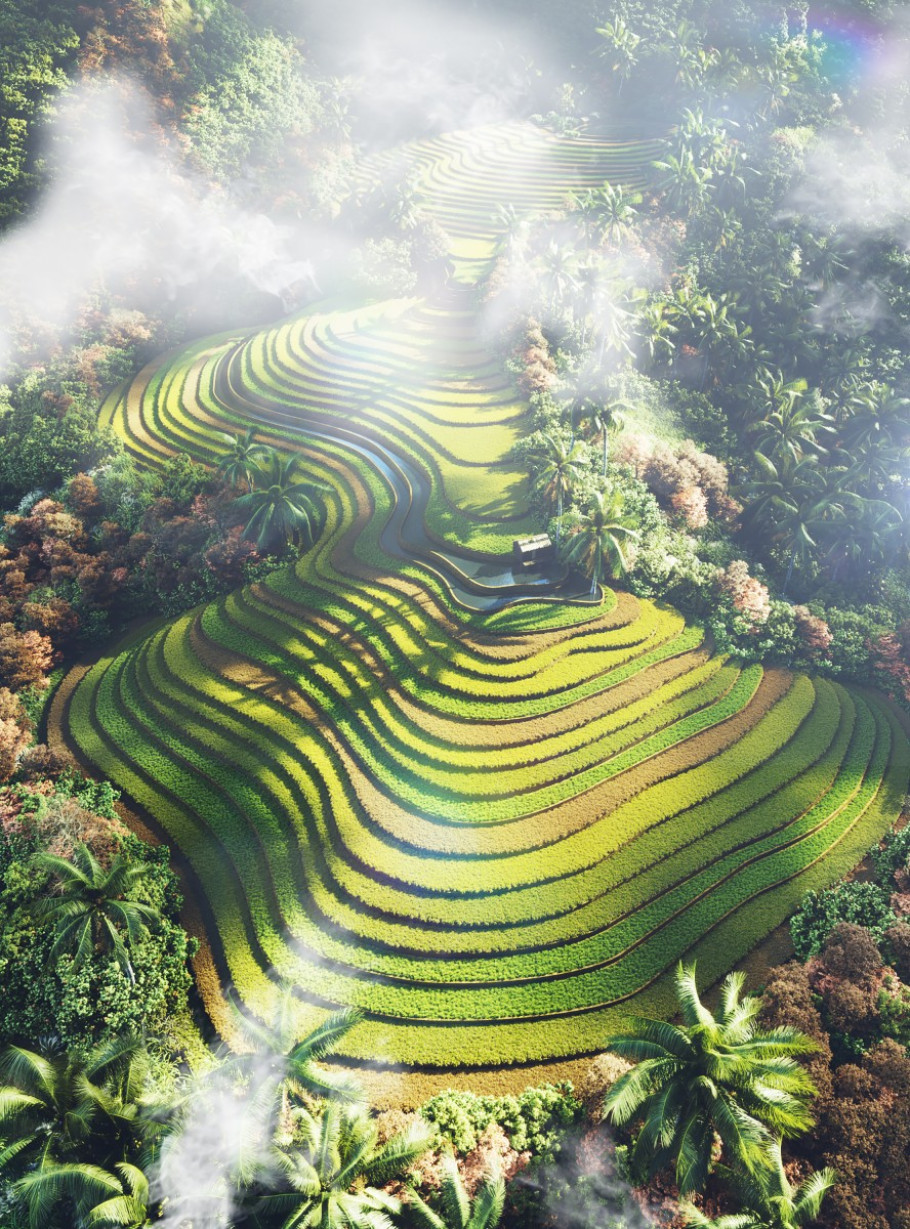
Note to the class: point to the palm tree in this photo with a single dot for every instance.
(558, 472)
(278, 1054)
(730, 178)
(693, 65)
(285, 510)
(79, 1186)
(684, 183)
(331, 1178)
(791, 429)
(557, 267)
(130, 1206)
(241, 461)
(776, 79)
(692, 60)
(705, 139)
(95, 907)
(607, 419)
(657, 330)
(71, 1098)
(867, 539)
(68, 1117)
(513, 225)
(599, 542)
(613, 319)
(584, 205)
(712, 1073)
(825, 258)
(620, 50)
(456, 1210)
(718, 330)
(813, 503)
(878, 420)
(785, 504)
(404, 204)
(614, 212)
(772, 1202)
(43, 1098)
(770, 488)
(335, 113)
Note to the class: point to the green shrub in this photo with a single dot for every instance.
(892, 854)
(43, 996)
(534, 1122)
(863, 904)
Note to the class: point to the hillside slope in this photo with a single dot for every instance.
(494, 827)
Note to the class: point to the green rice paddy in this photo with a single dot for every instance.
(494, 831)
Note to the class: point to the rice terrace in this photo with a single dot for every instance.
(488, 807)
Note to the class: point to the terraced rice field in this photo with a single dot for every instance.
(411, 375)
(466, 178)
(494, 829)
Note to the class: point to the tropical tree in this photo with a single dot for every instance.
(869, 538)
(241, 461)
(278, 1057)
(404, 205)
(772, 1201)
(72, 1098)
(719, 332)
(614, 318)
(455, 1209)
(825, 258)
(657, 330)
(798, 506)
(792, 429)
(331, 1177)
(69, 1118)
(693, 61)
(877, 420)
(598, 545)
(557, 270)
(776, 78)
(285, 508)
(513, 224)
(705, 139)
(586, 295)
(607, 419)
(131, 1206)
(335, 107)
(619, 49)
(558, 470)
(613, 210)
(78, 1186)
(95, 908)
(584, 206)
(710, 1074)
(684, 182)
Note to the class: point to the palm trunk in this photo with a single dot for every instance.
(789, 572)
(605, 454)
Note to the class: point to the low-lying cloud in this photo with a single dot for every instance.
(122, 214)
